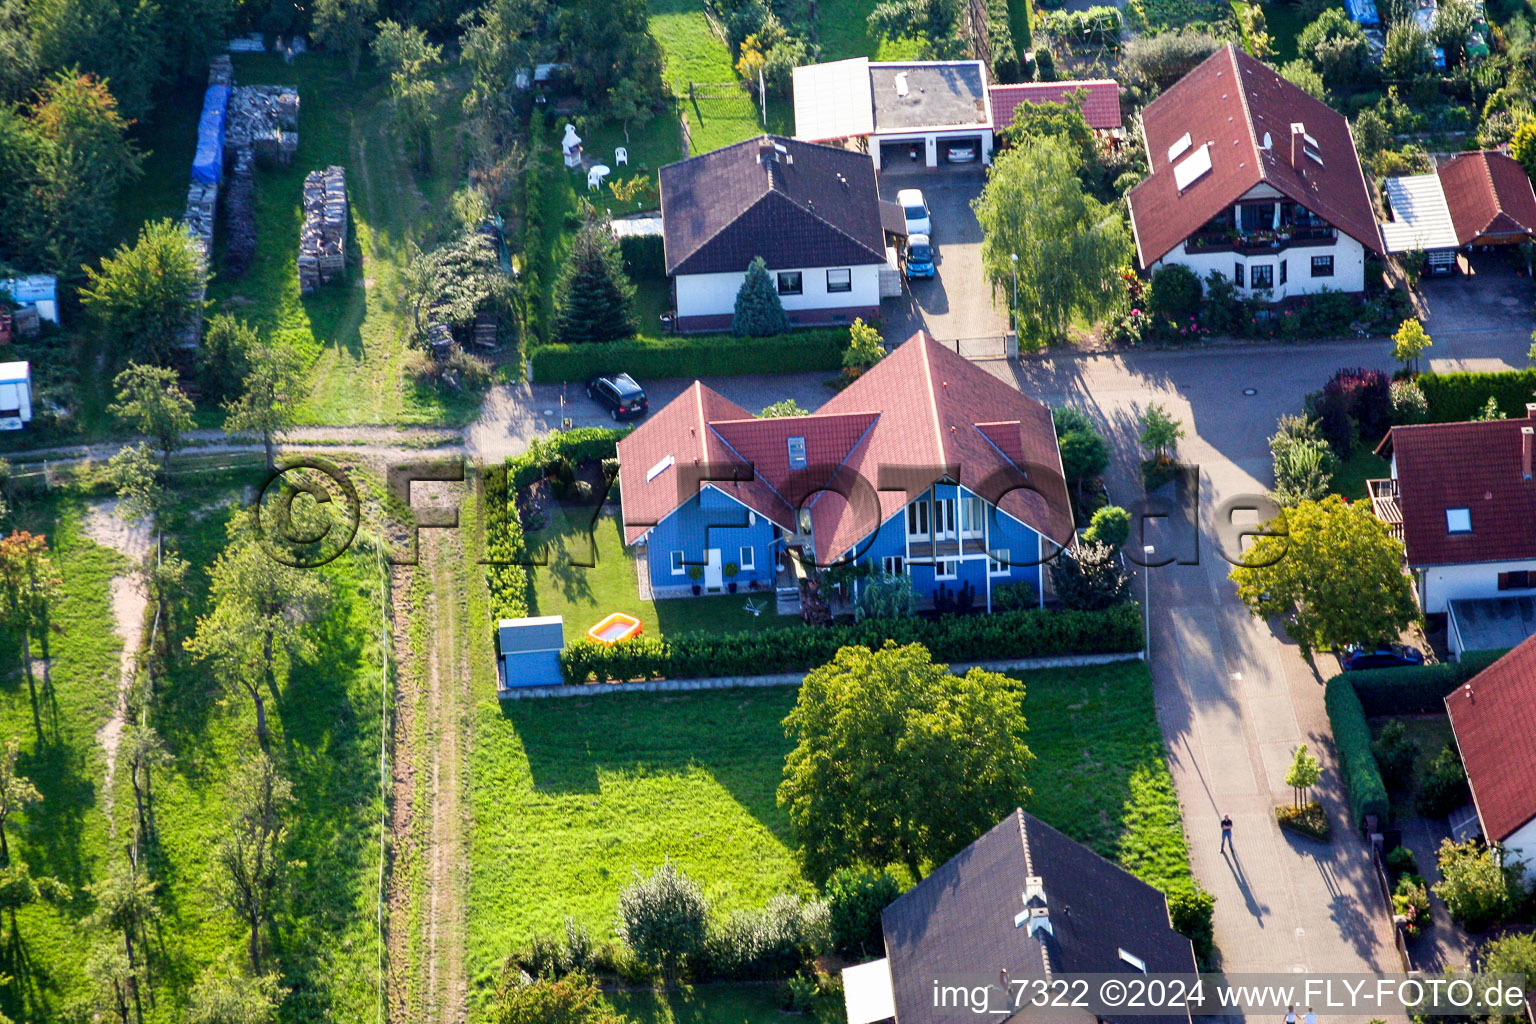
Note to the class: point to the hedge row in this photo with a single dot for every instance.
(545, 194)
(1454, 397)
(1005, 51)
(503, 527)
(1415, 691)
(693, 355)
(1021, 634)
(1352, 738)
(644, 257)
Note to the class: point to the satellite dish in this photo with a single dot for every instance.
(1269, 143)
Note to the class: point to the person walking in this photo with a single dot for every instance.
(1226, 836)
(1290, 1015)
(1310, 1018)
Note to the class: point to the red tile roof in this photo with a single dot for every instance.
(1494, 717)
(1488, 193)
(921, 406)
(1231, 102)
(1475, 466)
(1100, 98)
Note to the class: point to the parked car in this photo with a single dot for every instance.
(915, 209)
(1389, 655)
(620, 394)
(963, 153)
(919, 261)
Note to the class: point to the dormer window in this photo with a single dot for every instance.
(1458, 520)
(797, 453)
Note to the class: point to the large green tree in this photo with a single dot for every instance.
(594, 298)
(933, 24)
(345, 25)
(27, 584)
(1333, 570)
(1070, 247)
(144, 295)
(409, 59)
(273, 387)
(1336, 46)
(150, 400)
(255, 870)
(16, 793)
(228, 994)
(877, 735)
(606, 43)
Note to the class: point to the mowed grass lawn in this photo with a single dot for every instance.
(1362, 465)
(572, 796)
(570, 585)
(842, 30)
(353, 330)
(692, 52)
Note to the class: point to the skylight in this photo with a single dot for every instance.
(797, 453)
(1180, 147)
(1314, 154)
(658, 469)
(1135, 961)
(1193, 167)
(1458, 520)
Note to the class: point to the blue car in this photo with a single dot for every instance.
(919, 257)
(1393, 655)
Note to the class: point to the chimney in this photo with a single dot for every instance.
(1530, 410)
(1036, 915)
(1527, 437)
(1298, 135)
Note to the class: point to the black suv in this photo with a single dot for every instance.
(620, 393)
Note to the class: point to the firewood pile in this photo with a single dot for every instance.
(323, 236)
(265, 120)
(202, 202)
(221, 70)
(240, 215)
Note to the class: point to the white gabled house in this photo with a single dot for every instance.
(1253, 179)
(1492, 717)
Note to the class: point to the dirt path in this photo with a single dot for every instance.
(103, 526)
(429, 881)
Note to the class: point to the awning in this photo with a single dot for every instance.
(833, 100)
(892, 219)
(867, 992)
(1421, 218)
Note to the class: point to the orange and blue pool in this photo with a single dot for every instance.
(614, 628)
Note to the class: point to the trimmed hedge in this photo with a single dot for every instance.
(504, 529)
(1022, 634)
(693, 355)
(1005, 51)
(644, 256)
(1414, 691)
(1454, 397)
(1352, 738)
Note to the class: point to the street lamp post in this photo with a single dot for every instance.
(1146, 609)
(1014, 309)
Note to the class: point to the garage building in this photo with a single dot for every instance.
(925, 113)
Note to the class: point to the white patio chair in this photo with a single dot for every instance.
(620, 157)
(594, 179)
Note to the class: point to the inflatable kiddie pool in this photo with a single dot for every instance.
(614, 628)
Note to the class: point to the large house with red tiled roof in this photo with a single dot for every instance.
(1255, 180)
(1494, 718)
(1462, 499)
(926, 466)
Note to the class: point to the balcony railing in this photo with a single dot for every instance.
(924, 548)
(1255, 242)
(1384, 503)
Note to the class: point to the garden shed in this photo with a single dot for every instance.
(38, 291)
(528, 651)
(15, 395)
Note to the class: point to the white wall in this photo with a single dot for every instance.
(715, 294)
(1348, 267)
(1522, 845)
(1442, 583)
(930, 141)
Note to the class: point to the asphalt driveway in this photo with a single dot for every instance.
(956, 302)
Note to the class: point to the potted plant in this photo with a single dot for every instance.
(730, 570)
(696, 573)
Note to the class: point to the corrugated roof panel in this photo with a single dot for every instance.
(1421, 218)
(833, 101)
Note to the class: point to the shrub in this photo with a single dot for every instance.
(1410, 898)
(1401, 861)
(1357, 765)
(1512, 954)
(663, 920)
(1453, 397)
(1175, 293)
(1084, 452)
(886, 597)
(1336, 46)
(1408, 403)
(772, 942)
(695, 355)
(1309, 820)
(865, 346)
(1014, 596)
(1443, 787)
(1222, 308)
(1395, 755)
(643, 256)
(1091, 578)
(1020, 634)
(1005, 54)
(759, 311)
(1154, 62)
(1110, 525)
(1192, 912)
(855, 898)
(1477, 890)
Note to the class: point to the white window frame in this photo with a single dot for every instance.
(893, 565)
(998, 562)
(799, 278)
(843, 286)
(1268, 269)
(1327, 262)
(944, 519)
(973, 516)
(678, 568)
(946, 568)
(917, 520)
(746, 558)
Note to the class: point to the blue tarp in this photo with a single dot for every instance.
(208, 162)
(1363, 11)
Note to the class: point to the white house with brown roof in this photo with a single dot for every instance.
(1494, 718)
(1253, 179)
(812, 212)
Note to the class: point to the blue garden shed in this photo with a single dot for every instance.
(528, 651)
